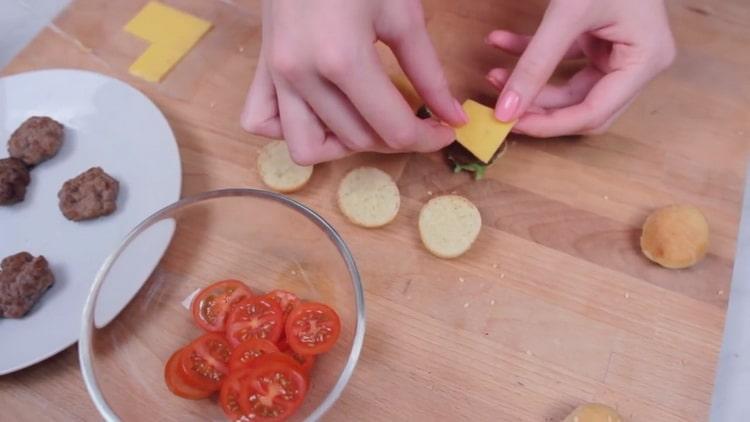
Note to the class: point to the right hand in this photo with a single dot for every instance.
(320, 85)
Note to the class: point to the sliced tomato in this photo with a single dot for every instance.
(272, 392)
(248, 351)
(206, 361)
(257, 317)
(312, 328)
(174, 376)
(277, 357)
(229, 397)
(212, 305)
(286, 300)
(305, 362)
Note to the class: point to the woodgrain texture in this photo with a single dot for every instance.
(554, 306)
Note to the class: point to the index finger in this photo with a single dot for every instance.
(369, 88)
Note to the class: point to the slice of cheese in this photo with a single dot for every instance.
(484, 134)
(171, 32)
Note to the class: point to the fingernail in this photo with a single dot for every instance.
(460, 111)
(507, 106)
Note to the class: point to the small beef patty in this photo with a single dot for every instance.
(37, 139)
(14, 177)
(23, 280)
(89, 195)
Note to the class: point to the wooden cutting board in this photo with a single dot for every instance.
(554, 306)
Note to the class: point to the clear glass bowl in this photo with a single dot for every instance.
(265, 239)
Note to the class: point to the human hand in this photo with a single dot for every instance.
(627, 43)
(321, 86)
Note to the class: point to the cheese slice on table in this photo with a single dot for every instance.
(171, 32)
(484, 134)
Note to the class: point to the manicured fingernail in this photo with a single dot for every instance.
(460, 111)
(507, 106)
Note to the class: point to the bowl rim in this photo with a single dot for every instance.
(85, 346)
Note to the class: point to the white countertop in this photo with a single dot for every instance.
(20, 20)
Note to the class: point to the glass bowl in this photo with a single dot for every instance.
(265, 239)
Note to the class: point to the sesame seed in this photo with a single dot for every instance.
(627, 295)
(502, 275)
(461, 279)
(466, 305)
(242, 49)
(492, 302)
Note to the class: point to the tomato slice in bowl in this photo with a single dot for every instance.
(174, 376)
(205, 361)
(248, 351)
(312, 328)
(286, 300)
(305, 362)
(212, 305)
(229, 396)
(257, 317)
(272, 392)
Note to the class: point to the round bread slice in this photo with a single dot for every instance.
(368, 197)
(593, 412)
(279, 172)
(676, 236)
(449, 225)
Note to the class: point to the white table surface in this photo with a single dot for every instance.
(20, 20)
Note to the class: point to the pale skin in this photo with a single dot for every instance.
(320, 86)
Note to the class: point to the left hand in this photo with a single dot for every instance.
(627, 43)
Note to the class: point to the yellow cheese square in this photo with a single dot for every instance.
(171, 32)
(484, 134)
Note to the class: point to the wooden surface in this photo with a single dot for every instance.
(554, 306)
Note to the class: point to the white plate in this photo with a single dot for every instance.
(107, 124)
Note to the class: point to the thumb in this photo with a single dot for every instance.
(557, 32)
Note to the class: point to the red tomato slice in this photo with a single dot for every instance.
(206, 361)
(312, 328)
(211, 306)
(257, 317)
(286, 300)
(174, 376)
(305, 362)
(272, 392)
(248, 351)
(229, 397)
